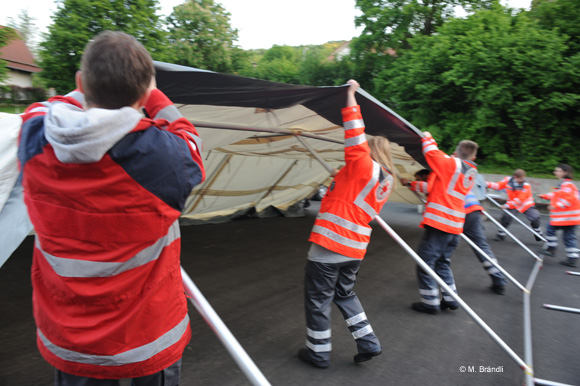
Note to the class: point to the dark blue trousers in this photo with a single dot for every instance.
(436, 248)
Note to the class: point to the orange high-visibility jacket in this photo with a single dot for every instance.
(566, 201)
(355, 197)
(519, 199)
(451, 179)
(471, 202)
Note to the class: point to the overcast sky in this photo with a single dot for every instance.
(260, 23)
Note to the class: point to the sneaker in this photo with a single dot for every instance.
(570, 262)
(420, 307)
(547, 252)
(499, 238)
(366, 356)
(450, 306)
(498, 288)
(305, 357)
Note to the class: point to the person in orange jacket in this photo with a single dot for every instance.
(450, 181)
(472, 228)
(520, 199)
(564, 215)
(340, 237)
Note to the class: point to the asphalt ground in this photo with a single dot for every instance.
(251, 271)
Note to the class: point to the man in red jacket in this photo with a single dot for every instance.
(104, 187)
(450, 181)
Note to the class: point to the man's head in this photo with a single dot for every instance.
(466, 150)
(422, 175)
(116, 71)
(519, 175)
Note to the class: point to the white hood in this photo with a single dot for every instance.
(80, 136)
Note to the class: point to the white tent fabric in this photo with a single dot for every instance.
(258, 137)
(14, 222)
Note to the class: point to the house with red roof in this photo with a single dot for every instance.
(19, 61)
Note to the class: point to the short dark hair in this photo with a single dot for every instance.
(423, 173)
(568, 170)
(466, 149)
(116, 70)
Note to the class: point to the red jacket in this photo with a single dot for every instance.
(355, 197)
(520, 199)
(566, 202)
(107, 293)
(450, 180)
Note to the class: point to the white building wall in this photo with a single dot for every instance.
(17, 78)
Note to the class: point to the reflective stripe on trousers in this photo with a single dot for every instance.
(436, 248)
(333, 282)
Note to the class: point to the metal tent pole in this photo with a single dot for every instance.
(516, 218)
(490, 217)
(573, 273)
(470, 312)
(494, 263)
(528, 355)
(560, 308)
(487, 257)
(223, 333)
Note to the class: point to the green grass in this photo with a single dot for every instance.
(12, 109)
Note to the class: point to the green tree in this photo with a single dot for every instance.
(25, 25)
(6, 34)
(390, 24)
(564, 15)
(76, 21)
(279, 64)
(201, 36)
(497, 78)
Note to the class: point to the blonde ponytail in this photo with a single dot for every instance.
(381, 153)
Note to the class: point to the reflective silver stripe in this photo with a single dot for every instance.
(318, 334)
(66, 267)
(453, 287)
(343, 223)
(356, 319)
(171, 113)
(136, 355)
(319, 347)
(354, 141)
(338, 238)
(431, 302)
(362, 332)
(454, 180)
(448, 298)
(492, 270)
(443, 220)
(557, 219)
(197, 141)
(354, 124)
(445, 210)
(360, 199)
(429, 148)
(572, 249)
(568, 212)
(429, 292)
(551, 238)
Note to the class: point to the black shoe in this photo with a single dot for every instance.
(499, 238)
(305, 357)
(450, 306)
(537, 238)
(420, 307)
(570, 263)
(546, 252)
(498, 288)
(366, 356)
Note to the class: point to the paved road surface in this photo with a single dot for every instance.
(251, 271)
